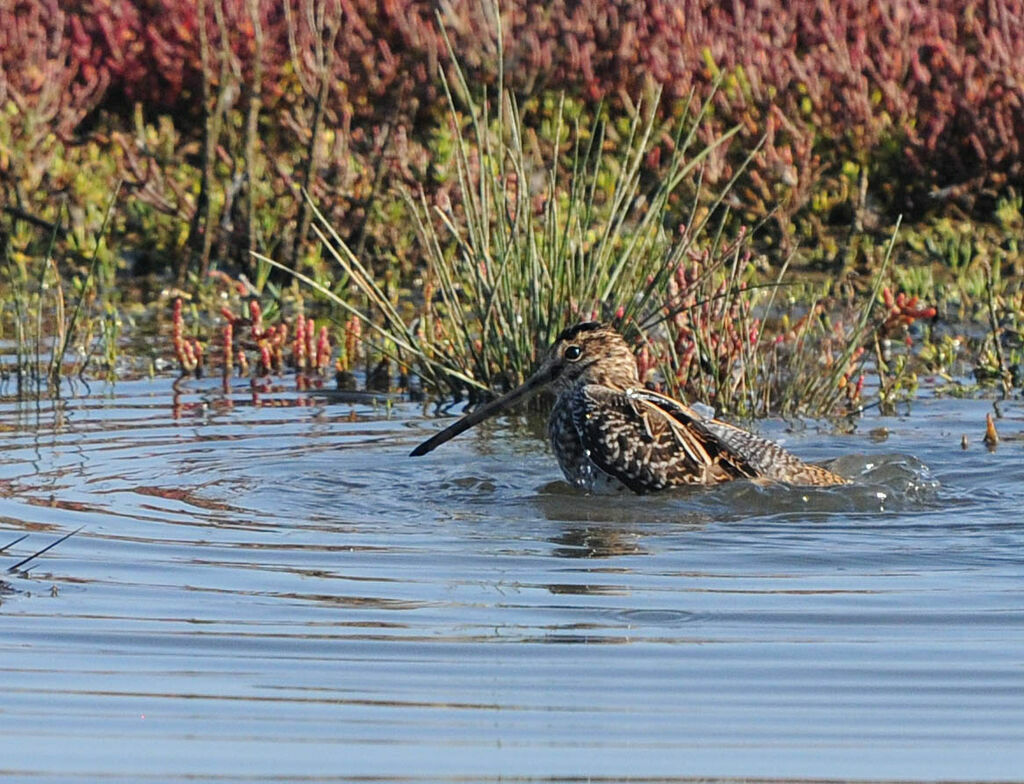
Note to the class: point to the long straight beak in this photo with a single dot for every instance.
(528, 387)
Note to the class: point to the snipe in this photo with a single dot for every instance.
(607, 430)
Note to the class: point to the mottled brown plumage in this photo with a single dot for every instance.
(608, 431)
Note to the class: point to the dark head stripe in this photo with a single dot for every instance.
(573, 331)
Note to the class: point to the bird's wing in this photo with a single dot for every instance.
(647, 444)
(745, 453)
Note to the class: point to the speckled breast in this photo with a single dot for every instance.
(572, 457)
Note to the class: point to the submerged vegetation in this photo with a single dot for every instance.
(443, 194)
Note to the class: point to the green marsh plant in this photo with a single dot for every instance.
(55, 322)
(543, 232)
(534, 240)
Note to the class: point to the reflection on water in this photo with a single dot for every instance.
(276, 592)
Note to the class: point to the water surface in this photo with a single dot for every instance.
(276, 592)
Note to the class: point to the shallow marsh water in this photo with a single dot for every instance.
(277, 592)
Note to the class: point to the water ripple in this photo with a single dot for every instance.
(277, 592)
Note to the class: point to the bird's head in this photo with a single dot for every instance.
(590, 353)
(586, 353)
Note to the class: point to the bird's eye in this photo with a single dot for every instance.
(573, 352)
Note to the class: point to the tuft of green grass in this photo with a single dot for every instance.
(539, 233)
(54, 317)
(543, 232)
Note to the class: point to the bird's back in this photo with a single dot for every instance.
(648, 442)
